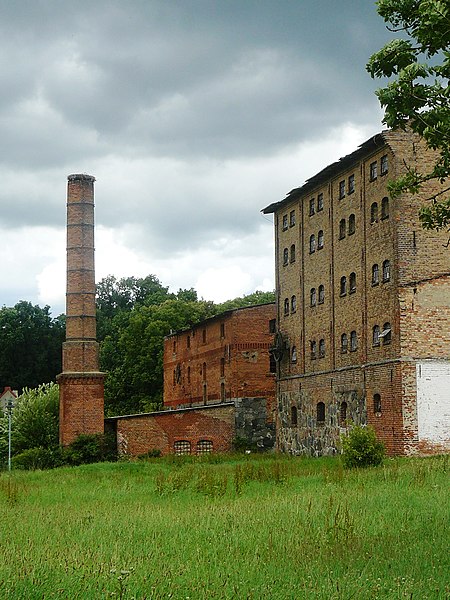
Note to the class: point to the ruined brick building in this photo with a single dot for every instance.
(363, 306)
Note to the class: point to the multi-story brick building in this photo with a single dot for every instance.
(363, 306)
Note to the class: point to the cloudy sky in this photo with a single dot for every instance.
(192, 115)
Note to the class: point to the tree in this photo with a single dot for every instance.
(419, 95)
(257, 297)
(30, 345)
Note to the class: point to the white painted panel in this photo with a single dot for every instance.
(433, 401)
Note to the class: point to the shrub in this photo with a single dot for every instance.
(91, 448)
(39, 458)
(153, 453)
(360, 448)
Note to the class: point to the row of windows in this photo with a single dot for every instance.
(188, 337)
(343, 226)
(312, 204)
(289, 255)
(312, 242)
(202, 371)
(384, 210)
(184, 447)
(386, 272)
(351, 287)
(342, 415)
(350, 187)
(314, 347)
(384, 335)
(373, 169)
(289, 223)
(317, 297)
(292, 305)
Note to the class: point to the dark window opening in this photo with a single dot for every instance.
(319, 202)
(321, 294)
(386, 271)
(272, 325)
(344, 343)
(222, 330)
(313, 350)
(312, 297)
(353, 341)
(374, 213)
(312, 206)
(285, 257)
(293, 304)
(351, 184)
(373, 171)
(352, 289)
(343, 286)
(320, 413)
(341, 189)
(385, 208)
(386, 334)
(375, 275)
(286, 306)
(342, 229)
(293, 253)
(312, 244)
(321, 348)
(294, 416)
(376, 403)
(292, 218)
(384, 165)
(376, 335)
(320, 240)
(343, 414)
(351, 224)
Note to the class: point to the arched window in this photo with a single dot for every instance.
(376, 335)
(321, 294)
(222, 367)
(375, 275)
(294, 416)
(222, 392)
(386, 271)
(353, 341)
(293, 304)
(376, 403)
(312, 206)
(286, 306)
(352, 283)
(342, 229)
(343, 414)
(321, 348)
(313, 350)
(320, 413)
(312, 244)
(285, 256)
(312, 297)
(320, 240)
(374, 213)
(182, 447)
(386, 334)
(385, 208)
(351, 224)
(293, 253)
(344, 343)
(343, 289)
(204, 447)
(294, 354)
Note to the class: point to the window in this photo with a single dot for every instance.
(292, 218)
(341, 189)
(294, 354)
(351, 224)
(285, 257)
(342, 228)
(205, 394)
(320, 413)
(189, 374)
(312, 297)
(353, 341)
(351, 184)
(312, 244)
(343, 289)
(343, 414)
(312, 206)
(188, 341)
(384, 165)
(385, 208)
(285, 222)
(313, 346)
(376, 403)
(182, 447)
(374, 213)
(174, 377)
(222, 367)
(320, 240)
(204, 336)
(386, 334)
(321, 294)
(352, 283)
(204, 447)
(386, 271)
(204, 371)
(272, 325)
(321, 348)
(272, 363)
(222, 392)
(174, 349)
(375, 275)
(344, 343)
(319, 202)
(376, 336)
(286, 306)
(293, 304)
(373, 171)
(294, 416)
(293, 253)
(222, 330)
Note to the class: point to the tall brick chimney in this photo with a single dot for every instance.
(81, 384)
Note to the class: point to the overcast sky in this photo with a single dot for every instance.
(193, 115)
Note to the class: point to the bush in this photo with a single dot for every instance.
(153, 453)
(39, 458)
(91, 448)
(360, 448)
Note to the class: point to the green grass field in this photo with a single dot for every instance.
(244, 527)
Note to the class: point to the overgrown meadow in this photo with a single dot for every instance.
(214, 527)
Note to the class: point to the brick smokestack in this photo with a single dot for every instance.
(81, 383)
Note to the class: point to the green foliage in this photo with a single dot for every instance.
(360, 448)
(39, 458)
(257, 297)
(30, 346)
(419, 94)
(90, 448)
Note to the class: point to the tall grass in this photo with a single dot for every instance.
(228, 528)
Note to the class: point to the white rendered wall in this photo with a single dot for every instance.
(433, 402)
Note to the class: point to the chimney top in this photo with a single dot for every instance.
(81, 177)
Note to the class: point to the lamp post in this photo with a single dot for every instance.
(9, 408)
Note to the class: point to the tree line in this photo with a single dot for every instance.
(133, 317)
